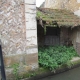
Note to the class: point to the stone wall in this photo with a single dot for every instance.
(78, 47)
(78, 41)
(12, 26)
(72, 5)
(75, 37)
(63, 35)
(18, 32)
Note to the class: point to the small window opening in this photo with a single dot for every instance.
(53, 31)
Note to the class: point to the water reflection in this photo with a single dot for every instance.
(73, 74)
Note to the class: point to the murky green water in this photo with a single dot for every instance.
(73, 74)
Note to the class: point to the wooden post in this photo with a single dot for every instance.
(2, 64)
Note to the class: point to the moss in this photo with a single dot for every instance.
(36, 72)
(62, 16)
(42, 15)
(73, 63)
(43, 71)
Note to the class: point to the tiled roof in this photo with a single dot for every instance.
(63, 17)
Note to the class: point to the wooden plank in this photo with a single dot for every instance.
(52, 40)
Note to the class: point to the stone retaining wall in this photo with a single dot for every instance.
(72, 5)
(18, 32)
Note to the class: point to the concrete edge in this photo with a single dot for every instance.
(74, 64)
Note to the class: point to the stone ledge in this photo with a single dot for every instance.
(22, 59)
(21, 70)
(75, 62)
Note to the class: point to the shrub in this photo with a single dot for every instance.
(53, 57)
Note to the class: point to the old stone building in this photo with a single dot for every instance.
(73, 5)
(58, 27)
(18, 33)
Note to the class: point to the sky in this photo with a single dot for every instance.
(39, 2)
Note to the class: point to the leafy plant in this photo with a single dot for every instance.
(15, 71)
(53, 57)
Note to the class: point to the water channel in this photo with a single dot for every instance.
(73, 74)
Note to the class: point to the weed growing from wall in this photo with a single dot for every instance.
(15, 71)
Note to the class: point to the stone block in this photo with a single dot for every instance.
(77, 47)
(31, 33)
(14, 59)
(31, 37)
(30, 9)
(31, 59)
(29, 16)
(30, 1)
(78, 36)
(31, 24)
(32, 41)
(31, 50)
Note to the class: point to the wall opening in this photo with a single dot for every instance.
(52, 36)
(52, 31)
(40, 35)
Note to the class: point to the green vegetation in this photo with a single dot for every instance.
(33, 73)
(50, 58)
(15, 71)
(38, 13)
(54, 57)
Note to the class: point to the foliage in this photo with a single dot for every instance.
(53, 57)
(15, 71)
(28, 75)
(39, 14)
(33, 73)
